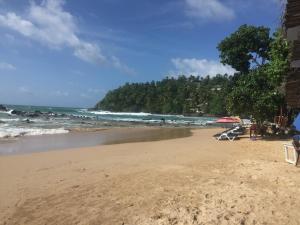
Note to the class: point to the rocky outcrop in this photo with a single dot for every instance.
(36, 114)
(3, 108)
(18, 112)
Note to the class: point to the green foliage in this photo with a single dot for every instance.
(280, 54)
(262, 61)
(253, 95)
(256, 91)
(184, 95)
(249, 45)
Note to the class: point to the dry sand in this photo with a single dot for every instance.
(192, 180)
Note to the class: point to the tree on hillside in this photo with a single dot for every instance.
(181, 95)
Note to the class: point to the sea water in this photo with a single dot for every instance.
(38, 120)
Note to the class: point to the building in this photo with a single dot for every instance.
(292, 27)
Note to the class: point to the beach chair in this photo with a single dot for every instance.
(230, 134)
(239, 130)
(227, 136)
(292, 150)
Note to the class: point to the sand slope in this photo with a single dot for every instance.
(194, 180)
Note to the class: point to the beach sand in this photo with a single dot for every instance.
(191, 180)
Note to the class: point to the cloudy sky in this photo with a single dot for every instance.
(70, 53)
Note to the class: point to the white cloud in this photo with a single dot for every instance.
(209, 10)
(117, 64)
(49, 24)
(90, 53)
(6, 66)
(200, 67)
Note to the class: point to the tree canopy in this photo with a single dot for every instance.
(254, 95)
(182, 95)
(280, 56)
(247, 46)
(262, 63)
(256, 90)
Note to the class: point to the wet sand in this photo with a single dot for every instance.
(192, 180)
(76, 139)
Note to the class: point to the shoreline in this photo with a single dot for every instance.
(88, 138)
(191, 180)
(17, 121)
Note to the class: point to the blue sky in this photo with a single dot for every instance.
(70, 53)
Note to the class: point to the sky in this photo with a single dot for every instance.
(71, 53)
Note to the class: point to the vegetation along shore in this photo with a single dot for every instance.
(261, 61)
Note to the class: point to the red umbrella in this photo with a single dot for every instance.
(228, 120)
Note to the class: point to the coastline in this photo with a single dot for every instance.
(89, 137)
(17, 120)
(191, 180)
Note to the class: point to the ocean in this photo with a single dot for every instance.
(20, 120)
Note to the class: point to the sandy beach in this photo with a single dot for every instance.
(190, 180)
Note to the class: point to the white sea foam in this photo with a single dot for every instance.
(16, 132)
(82, 110)
(7, 112)
(185, 122)
(21, 125)
(169, 115)
(9, 119)
(135, 120)
(157, 121)
(120, 113)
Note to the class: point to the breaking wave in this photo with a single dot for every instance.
(120, 113)
(9, 132)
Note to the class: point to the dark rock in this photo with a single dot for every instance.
(18, 112)
(38, 112)
(33, 115)
(28, 121)
(3, 108)
(51, 113)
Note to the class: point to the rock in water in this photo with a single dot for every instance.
(3, 108)
(18, 112)
(34, 114)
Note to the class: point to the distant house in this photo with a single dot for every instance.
(292, 27)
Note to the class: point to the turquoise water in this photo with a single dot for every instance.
(37, 120)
